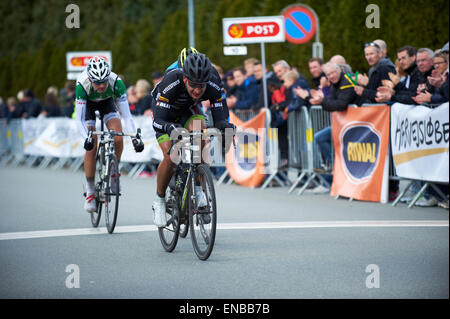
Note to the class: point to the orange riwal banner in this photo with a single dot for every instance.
(245, 164)
(361, 141)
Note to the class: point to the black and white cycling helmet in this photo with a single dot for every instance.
(98, 69)
(197, 68)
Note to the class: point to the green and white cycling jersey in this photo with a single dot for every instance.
(116, 89)
(85, 89)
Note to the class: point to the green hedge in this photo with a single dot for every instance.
(147, 35)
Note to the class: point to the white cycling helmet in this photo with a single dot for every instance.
(98, 69)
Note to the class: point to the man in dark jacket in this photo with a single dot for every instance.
(31, 105)
(379, 71)
(405, 90)
(245, 95)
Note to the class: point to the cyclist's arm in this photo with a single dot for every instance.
(80, 111)
(161, 116)
(120, 92)
(216, 100)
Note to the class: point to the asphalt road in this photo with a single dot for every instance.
(269, 245)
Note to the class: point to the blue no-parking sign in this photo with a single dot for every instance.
(299, 23)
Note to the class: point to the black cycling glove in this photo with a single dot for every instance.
(88, 144)
(138, 145)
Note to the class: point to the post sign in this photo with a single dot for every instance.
(77, 61)
(253, 30)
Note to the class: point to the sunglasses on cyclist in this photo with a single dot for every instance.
(194, 85)
(100, 82)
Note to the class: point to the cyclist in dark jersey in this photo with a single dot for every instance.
(177, 97)
(185, 52)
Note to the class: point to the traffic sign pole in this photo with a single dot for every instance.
(263, 61)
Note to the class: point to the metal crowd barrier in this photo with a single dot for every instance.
(304, 154)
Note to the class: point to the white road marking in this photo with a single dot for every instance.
(229, 226)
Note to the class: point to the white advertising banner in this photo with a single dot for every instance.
(420, 141)
(151, 147)
(59, 137)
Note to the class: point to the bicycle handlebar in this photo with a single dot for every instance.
(114, 133)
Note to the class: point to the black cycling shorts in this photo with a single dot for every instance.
(107, 109)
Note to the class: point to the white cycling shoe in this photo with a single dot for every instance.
(159, 211)
(90, 204)
(200, 196)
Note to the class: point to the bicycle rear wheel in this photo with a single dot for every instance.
(169, 234)
(203, 220)
(112, 194)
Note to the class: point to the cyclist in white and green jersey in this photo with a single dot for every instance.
(96, 89)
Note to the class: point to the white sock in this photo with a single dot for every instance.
(90, 187)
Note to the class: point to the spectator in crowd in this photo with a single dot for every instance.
(403, 91)
(440, 64)
(132, 99)
(51, 107)
(383, 46)
(340, 60)
(157, 77)
(229, 83)
(280, 67)
(425, 66)
(15, 109)
(379, 71)
(439, 76)
(3, 109)
(245, 95)
(144, 102)
(32, 106)
(291, 101)
(341, 95)
(445, 49)
(249, 66)
(258, 73)
(315, 68)
(279, 97)
(67, 99)
(219, 70)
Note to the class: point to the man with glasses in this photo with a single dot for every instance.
(177, 105)
(96, 89)
(378, 73)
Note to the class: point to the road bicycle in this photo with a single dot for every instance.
(182, 211)
(107, 193)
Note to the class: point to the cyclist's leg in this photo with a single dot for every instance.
(90, 163)
(112, 120)
(165, 168)
(195, 122)
(89, 159)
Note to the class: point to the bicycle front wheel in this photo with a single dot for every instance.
(112, 194)
(95, 216)
(203, 220)
(169, 234)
